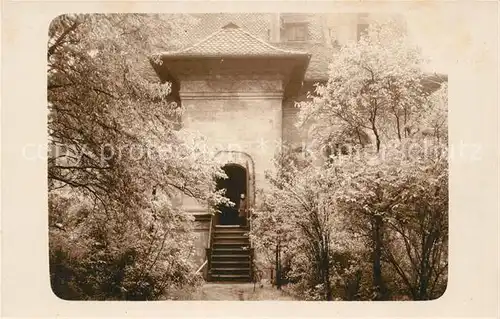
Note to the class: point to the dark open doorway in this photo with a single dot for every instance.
(235, 185)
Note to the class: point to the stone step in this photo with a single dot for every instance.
(230, 263)
(228, 246)
(235, 230)
(232, 230)
(230, 270)
(225, 238)
(231, 239)
(241, 278)
(229, 226)
(231, 257)
(218, 246)
(230, 251)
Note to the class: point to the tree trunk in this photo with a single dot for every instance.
(378, 284)
(406, 128)
(326, 269)
(398, 126)
(361, 142)
(425, 268)
(377, 137)
(278, 266)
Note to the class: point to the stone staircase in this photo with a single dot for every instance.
(231, 255)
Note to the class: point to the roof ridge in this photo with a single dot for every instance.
(231, 25)
(199, 42)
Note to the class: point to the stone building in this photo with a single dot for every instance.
(238, 76)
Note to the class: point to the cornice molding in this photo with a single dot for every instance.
(231, 96)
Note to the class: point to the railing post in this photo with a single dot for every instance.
(209, 242)
(208, 249)
(252, 265)
(208, 253)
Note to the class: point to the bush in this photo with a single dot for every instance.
(94, 256)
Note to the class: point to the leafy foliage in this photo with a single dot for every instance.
(368, 222)
(398, 200)
(374, 87)
(119, 164)
(331, 223)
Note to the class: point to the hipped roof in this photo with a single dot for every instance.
(232, 41)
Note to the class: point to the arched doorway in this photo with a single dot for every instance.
(235, 184)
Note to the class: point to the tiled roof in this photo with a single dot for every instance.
(232, 40)
(433, 82)
(321, 56)
(258, 24)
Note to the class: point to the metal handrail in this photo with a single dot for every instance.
(201, 267)
(209, 243)
(249, 226)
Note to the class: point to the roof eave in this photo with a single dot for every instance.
(232, 56)
(157, 61)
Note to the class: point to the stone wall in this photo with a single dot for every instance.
(292, 135)
(236, 115)
(201, 230)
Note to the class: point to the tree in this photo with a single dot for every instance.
(405, 189)
(118, 163)
(300, 218)
(374, 86)
(419, 226)
(274, 242)
(387, 208)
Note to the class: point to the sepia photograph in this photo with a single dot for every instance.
(246, 156)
